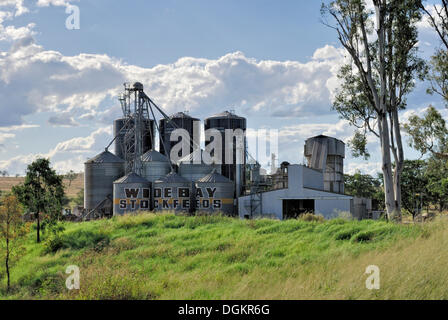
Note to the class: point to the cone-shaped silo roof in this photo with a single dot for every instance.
(172, 177)
(225, 114)
(154, 156)
(105, 157)
(214, 177)
(131, 178)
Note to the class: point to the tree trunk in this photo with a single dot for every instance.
(398, 165)
(387, 167)
(7, 265)
(38, 227)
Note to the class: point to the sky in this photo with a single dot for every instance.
(273, 62)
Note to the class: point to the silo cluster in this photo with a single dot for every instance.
(185, 184)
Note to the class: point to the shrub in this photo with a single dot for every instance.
(77, 240)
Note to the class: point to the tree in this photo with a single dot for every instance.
(414, 185)
(379, 76)
(42, 192)
(428, 134)
(11, 230)
(70, 177)
(79, 199)
(438, 18)
(437, 177)
(365, 186)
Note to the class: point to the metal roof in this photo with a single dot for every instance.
(105, 157)
(131, 178)
(322, 136)
(180, 115)
(225, 114)
(172, 177)
(214, 177)
(154, 156)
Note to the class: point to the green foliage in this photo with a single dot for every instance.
(12, 229)
(438, 75)
(78, 239)
(428, 134)
(414, 183)
(365, 186)
(42, 192)
(358, 145)
(79, 199)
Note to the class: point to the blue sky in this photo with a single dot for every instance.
(272, 61)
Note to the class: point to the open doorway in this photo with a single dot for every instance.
(292, 209)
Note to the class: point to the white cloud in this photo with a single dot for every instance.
(58, 3)
(371, 168)
(67, 155)
(50, 81)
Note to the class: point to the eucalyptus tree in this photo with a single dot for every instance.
(381, 45)
(437, 14)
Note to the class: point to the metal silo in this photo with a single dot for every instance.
(131, 193)
(327, 154)
(194, 169)
(215, 193)
(235, 170)
(179, 120)
(172, 193)
(155, 165)
(99, 176)
(148, 137)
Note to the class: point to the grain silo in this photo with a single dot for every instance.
(172, 193)
(232, 168)
(194, 169)
(155, 165)
(100, 173)
(131, 193)
(179, 120)
(327, 154)
(215, 193)
(119, 133)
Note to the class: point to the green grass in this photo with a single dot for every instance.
(211, 257)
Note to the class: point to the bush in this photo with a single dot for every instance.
(310, 217)
(77, 240)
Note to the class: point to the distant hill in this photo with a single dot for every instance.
(6, 184)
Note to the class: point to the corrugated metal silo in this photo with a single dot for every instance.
(100, 173)
(131, 193)
(178, 120)
(172, 193)
(327, 154)
(215, 193)
(222, 122)
(194, 169)
(148, 139)
(155, 165)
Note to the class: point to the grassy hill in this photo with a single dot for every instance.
(175, 257)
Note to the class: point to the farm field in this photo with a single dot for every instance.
(71, 189)
(152, 256)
